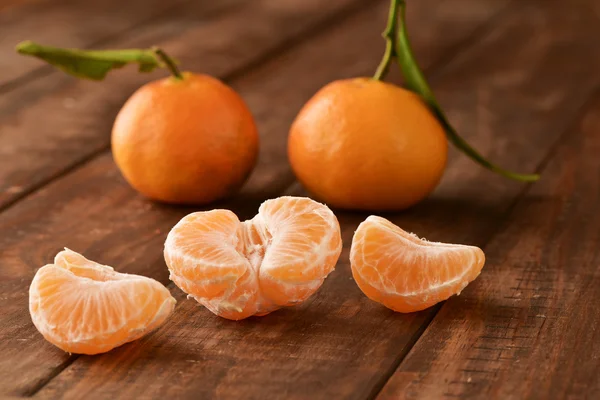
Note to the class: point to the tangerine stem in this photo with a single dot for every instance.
(169, 63)
(390, 38)
(415, 80)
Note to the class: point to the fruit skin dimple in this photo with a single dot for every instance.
(365, 144)
(190, 141)
(87, 308)
(405, 273)
(238, 269)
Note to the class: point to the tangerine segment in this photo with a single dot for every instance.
(239, 269)
(405, 273)
(84, 307)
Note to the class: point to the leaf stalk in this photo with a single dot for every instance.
(415, 80)
(169, 63)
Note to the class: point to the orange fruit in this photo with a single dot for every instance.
(185, 141)
(405, 273)
(87, 308)
(239, 269)
(365, 144)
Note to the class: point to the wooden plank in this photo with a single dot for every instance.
(29, 369)
(340, 345)
(481, 213)
(33, 154)
(5, 4)
(497, 94)
(72, 23)
(576, 26)
(527, 328)
(38, 79)
(91, 369)
(77, 115)
(69, 212)
(511, 115)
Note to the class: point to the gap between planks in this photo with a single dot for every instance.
(580, 111)
(287, 44)
(523, 192)
(498, 331)
(332, 16)
(405, 350)
(432, 70)
(461, 48)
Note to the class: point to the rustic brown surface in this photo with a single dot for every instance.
(31, 79)
(528, 327)
(5, 4)
(67, 199)
(35, 79)
(72, 23)
(513, 78)
(82, 221)
(78, 115)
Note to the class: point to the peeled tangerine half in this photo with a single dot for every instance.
(405, 273)
(87, 308)
(239, 269)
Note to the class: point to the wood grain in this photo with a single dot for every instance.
(77, 115)
(5, 4)
(39, 79)
(305, 369)
(447, 215)
(420, 375)
(70, 196)
(512, 96)
(93, 211)
(72, 23)
(502, 94)
(528, 327)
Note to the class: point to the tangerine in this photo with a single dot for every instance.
(365, 144)
(191, 140)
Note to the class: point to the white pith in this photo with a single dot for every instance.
(260, 263)
(406, 252)
(75, 291)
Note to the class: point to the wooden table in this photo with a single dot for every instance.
(519, 79)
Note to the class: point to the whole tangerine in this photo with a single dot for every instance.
(191, 140)
(366, 144)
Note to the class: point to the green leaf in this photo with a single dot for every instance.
(90, 64)
(416, 82)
